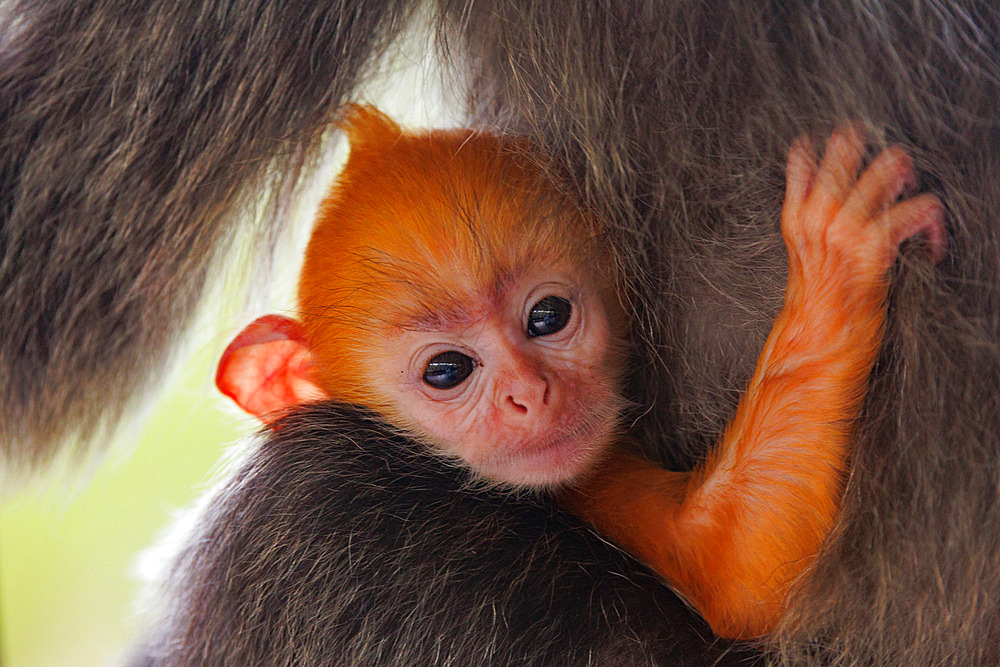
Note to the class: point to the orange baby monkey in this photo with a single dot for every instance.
(450, 287)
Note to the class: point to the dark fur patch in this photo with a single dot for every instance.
(337, 543)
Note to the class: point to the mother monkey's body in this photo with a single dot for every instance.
(672, 122)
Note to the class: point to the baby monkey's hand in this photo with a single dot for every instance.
(847, 229)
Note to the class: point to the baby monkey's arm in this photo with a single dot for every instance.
(733, 535)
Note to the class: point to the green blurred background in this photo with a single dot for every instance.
(69, 546)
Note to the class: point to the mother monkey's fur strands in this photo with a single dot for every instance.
(128, 134)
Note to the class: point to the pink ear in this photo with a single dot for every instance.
(267, 368)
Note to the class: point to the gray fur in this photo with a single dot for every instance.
(675, 122)
(130, 132)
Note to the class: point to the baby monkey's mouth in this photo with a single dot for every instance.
(555, 457)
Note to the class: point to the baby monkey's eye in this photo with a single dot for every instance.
(548, 316)
(448, 369)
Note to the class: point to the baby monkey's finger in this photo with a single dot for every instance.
(880, 184)
(923, 214)
(839, 168)
(800, 173)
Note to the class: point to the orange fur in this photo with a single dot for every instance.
(734, 535)
(398, 244)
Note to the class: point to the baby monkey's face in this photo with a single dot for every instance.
(524, 387)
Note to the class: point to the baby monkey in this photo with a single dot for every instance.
(450, 287)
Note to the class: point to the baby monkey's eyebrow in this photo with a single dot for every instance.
(441, 308)
(437, 319)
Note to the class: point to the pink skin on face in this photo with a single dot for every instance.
(535, 411)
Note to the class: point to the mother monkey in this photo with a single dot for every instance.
(130, 133)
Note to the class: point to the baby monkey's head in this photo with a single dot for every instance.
(451, 287)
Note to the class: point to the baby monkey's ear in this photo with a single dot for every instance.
(268, 368)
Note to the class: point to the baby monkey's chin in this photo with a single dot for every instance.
(553, 462)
